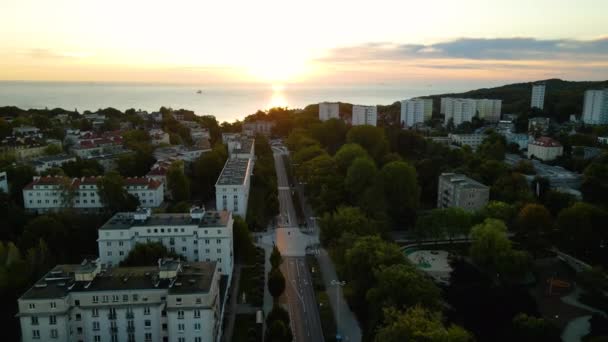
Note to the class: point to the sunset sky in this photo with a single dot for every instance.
(305, 42)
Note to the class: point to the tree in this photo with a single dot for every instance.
(147, 254)
(206, 170)
(360, 175)
(177, 182)
(532, 329)
(48, 228)
(276, 283)
(511, 188)
(371, 138)
(533, 221)
(419, 324)
(113, 195)
(595, 181)
(331, 134)
(275, 257)
(490, 241)
(347, 154)
(82, 168)
(581, 229)
(307, 153)
(53, 149)
(244, 250)
(499, 210)
(401, 190)
(447, 222)
(345, 219)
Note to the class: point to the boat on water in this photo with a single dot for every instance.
(199, 91)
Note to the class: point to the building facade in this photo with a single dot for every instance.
(545, 148)
(458, 110)
(538, 96)
(473, 140)
(364, 115)
(54, 193)
(196, 236)
(232, 186)
(253, 128)
(45, 163)
(595, 107)
(460, 191)
(415, 111)
(329, 110)
(173, 301)
(489, 110)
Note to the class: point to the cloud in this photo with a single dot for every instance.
(516, 49)
(53, 54)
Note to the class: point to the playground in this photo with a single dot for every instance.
(433, 262)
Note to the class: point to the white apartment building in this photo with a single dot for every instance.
(458, 110)
(415, 111)
(252, 128)
(545, 148)
(232, 186)
(538, 96)
(329, 110)
(364, 115)
(460, 191)
(159, 137)
(196, 236)
(54, 193)
(488, 109)
(595, 107)
(473, 140)
(173, 301)
(241, 147)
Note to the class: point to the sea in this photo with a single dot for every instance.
(225, 102)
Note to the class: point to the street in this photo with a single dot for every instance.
(301, 301)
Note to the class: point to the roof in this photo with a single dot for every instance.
(76, 182)
(192, 277)
(58, 157)
(463, 180)
(234, 172)
(126, 220)
(546, 142)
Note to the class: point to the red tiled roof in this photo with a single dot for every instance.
(546, 142)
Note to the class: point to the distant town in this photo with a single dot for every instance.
(334, 222)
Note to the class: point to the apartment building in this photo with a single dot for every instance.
(538, 125)
(538, 96)
(488, 109)
(196, 236)
(252, 128)
(545, 148)
(241, 147)
(521, 139)
(329, 110)
(232, 186)
(172, 301)
(45, 163)
(595, 107)
(159, 137)
(53, 193)
(460, 191)
(415, 111)
(473, 140)
(364, 115)
(463, 110)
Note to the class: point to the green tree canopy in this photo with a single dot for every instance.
(177, 182)
(147, 254)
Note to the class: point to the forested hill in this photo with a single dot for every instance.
(562, 98)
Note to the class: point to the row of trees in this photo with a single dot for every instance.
(263, 197)
(277, 321)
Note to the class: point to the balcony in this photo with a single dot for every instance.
(130, 315)
(112, 316)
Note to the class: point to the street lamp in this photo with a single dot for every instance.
(338, 284)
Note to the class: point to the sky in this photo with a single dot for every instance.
(303, 42)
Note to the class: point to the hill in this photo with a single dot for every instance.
(562, 98)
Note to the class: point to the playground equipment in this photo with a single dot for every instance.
(561, 284)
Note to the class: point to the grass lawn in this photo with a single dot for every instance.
(245, 329)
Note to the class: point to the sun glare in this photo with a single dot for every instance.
(278, 98)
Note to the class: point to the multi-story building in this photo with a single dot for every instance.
(538, 125)
(196, 236)
(43, 164)
(24, 131)
(538, 96)
(329, 110)
(521, 139)
(232, 186)
(54, 193)
(489, 110)
(241, 147)
(460, 191)
(252, 128)
(415, 111)
(458, 110)
(545, 148)
(473, 140)
(173, 301)
(159, 137)
(595, 108)
(364, 115)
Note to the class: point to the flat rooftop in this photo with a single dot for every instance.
(126, 220)
(463, 180)
(192, 277)
(234, 172)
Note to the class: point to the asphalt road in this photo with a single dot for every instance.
(302, 304)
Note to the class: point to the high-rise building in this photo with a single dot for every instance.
(460, 191)
(329, 110)
(364, 115)
(538, 96)
(489, 110)
(595, 108)
(415, 111)
(172, 301)
(459, 110)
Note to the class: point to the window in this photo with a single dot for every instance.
(198, 339)
(95, 326)
(148, 337)
(109, 254)
(180, 314)
(135, 297)
(97, 338)
(197, 326)
(34, 320)
(181, 327)
(178, 301)
(198, 301)
(206, 242)
(115, 298)
(218, 241)
(52, 319)
(53, 305)
(184, 249)
(54, 333)
(147, 323)
(147, 310)
(104, 298)
(77, 302)
(219, 250)
(131, 337)
(32, 306)
(36, 334)
(78, 317)
(181, 339)
(95, 313)
(120, 243)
